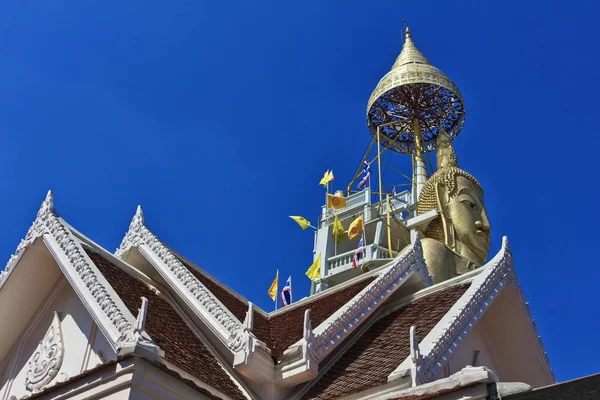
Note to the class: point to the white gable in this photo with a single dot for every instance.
(61, 341)
(504, 341)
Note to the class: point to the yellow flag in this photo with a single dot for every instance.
(335, 202)
(338, 230)
(303, 222)
(325, 179)
(356, 227)
(274, 286)
(314, 271)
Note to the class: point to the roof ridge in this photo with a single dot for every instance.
(369, 358)
(232, 291)
(124, 266)
(162, 307)
(329, 291)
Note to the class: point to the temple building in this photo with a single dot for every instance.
(431, 309)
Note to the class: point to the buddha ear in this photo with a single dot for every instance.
(442, 196)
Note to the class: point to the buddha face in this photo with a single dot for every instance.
(466, 212)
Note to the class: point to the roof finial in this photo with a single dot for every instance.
(405, 28)
(47, 204)
(139, 214)
(409, 54)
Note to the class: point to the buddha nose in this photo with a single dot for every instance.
(484, 223)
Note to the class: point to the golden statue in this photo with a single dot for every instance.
(458, 240)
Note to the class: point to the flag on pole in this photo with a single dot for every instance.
(314, 271)
(366, 175)
(274, 286)
(335, 202)
(303, 222)
(328, 177)
(338, 230)
(358, 254)
(286, 293)
(356, 227)
(394, 191)
(324, 179)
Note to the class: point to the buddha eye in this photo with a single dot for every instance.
(472, 205)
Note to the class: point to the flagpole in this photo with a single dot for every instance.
(364, 246)
(277, 291)
(334, 244)
(326, 193)
(379, 167)
(389, 227)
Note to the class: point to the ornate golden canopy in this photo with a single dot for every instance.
(414, 89)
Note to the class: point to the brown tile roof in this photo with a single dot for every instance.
(283, 329)
(383, 347)
(236, 304)
(181, 346)
(287, 327)
(586, 388)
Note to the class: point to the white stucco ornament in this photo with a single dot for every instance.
(87, 279)
(230, 329)
(47, 358)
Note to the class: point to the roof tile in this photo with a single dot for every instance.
(287, 327)
(585, 388)
(283, 329)
(383, 347)
(181, 346)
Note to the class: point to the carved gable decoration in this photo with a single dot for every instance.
(47, 358)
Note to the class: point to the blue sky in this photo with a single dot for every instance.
(221, 117)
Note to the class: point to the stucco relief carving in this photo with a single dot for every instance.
(323, 339)
(47, 222)
(47, 358)
(139, 234)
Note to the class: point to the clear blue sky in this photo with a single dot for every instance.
(220, 118)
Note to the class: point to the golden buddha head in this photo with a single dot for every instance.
(462, 225)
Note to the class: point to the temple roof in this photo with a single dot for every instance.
(166, 327)
(375, 355)
(279, 330)
(351, 338)
(584, 388)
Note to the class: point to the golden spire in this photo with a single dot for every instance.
(410, 53)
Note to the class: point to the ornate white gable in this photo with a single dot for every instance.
(113, 318)
(47, 358)
(227, 327)
(342, 323)
(443, 340)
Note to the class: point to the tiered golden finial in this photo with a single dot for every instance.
(409, 53)
(415, 89)
(411, 104)
(414, 109)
